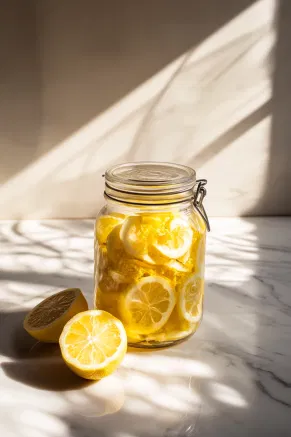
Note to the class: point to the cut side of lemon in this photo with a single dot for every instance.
(93, 344)
(46, 321)
(176, 241)
(147, 305)
(191, 298)
(105, 224)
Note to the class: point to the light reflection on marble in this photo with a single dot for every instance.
(232, 378)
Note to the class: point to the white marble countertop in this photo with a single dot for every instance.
(233, 378)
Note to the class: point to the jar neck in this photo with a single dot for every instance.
(151, 199)
(132, 208)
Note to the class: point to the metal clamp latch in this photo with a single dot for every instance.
(199, 194)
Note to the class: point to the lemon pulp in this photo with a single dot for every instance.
(93, 344)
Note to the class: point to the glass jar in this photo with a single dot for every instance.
(149, 251)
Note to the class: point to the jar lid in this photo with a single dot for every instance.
(152, 178)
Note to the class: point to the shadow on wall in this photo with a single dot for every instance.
(138, 82)
(276, 189)
(91, 56)
(95, 53)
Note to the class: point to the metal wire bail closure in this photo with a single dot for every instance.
(199, 194)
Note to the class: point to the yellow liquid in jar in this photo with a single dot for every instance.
(149, 272)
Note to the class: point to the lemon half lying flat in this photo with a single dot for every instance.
(93, 344)
(46, 321)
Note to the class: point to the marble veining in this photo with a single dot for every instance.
(232, 378)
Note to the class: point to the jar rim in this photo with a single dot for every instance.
(150, 178)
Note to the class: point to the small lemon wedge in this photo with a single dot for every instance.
(46, 321)
(93, 344)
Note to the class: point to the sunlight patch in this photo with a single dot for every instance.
(227, 395)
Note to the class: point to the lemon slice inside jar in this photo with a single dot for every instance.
(105, 224)
(115, 248)
(147, 305)
(191, 298)
(156, 239)
(176, 240)
(135, 235)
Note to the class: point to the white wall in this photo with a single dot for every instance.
(200, 83)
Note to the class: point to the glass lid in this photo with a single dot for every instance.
(151, 178)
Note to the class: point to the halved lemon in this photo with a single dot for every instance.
(93, 344)
(177, 239)
(147, 305)
(191, 298)
(46, 321)
(105, 224)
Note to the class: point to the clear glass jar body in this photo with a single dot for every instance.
(149, 270)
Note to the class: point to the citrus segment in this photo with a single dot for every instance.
(147, 305)
(46, 321)
(93, 344)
